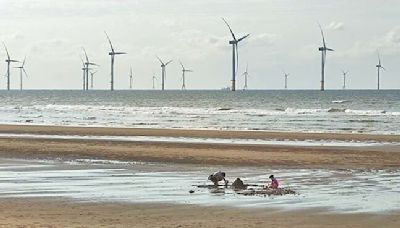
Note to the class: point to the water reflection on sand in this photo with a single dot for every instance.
(100, 180)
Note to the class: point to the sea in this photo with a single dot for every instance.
(342, 111)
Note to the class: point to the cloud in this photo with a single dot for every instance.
(262, 40)
(393, 36)
(388, 44)
(335, 26)
(54, 47)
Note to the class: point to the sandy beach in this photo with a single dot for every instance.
(60, 212)
(200, 153)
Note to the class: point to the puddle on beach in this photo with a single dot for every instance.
(344, 191)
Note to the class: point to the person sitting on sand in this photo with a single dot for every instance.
(238, 184)
(274, 182)
(217, 177)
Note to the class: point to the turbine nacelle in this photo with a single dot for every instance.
(117, 53)
(325, 49)
(91, 64)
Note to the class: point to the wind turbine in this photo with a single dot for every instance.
(130, 79)
(113, 53)
(92, 73)
(246, 75)
(163, 72)
(154, 79)
(8, 61)
(344, 78)
(84, 74)
(286, 75)
(21, 72)
(184, 70)
(87, 64)
(323, 51)
(235, 54)
(379, 66)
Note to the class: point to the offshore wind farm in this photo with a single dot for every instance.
(200, 113)
(88, 67)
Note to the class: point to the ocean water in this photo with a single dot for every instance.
(366, 111)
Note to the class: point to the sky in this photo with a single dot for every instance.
(284, 37)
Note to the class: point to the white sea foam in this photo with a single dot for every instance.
(298, 111)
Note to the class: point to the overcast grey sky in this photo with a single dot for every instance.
(284, 35)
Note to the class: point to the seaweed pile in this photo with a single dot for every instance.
(266, 192)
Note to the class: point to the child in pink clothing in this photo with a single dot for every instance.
(274, 182)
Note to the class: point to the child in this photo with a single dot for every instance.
(274, 182)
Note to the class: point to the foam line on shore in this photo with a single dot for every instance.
(236, 141)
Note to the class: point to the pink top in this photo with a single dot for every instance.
(274, 183)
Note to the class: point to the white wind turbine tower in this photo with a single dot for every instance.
(379, 67)
(87, 64)
(323, 51)
(8, 61)
(286, 75)
(184, 70)
(84, 74)
(154, 80)
(246, 75)
(235, 54)
(92, 73)
(163, 72)
(344, 78)
(113, 53)
(130, 78)
(21, 72)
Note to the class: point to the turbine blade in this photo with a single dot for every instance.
(25, 72)
(8, 55)
(379, 58)
(322, 33)
(168, 62)
(244, 37)
(183, 68)
(83, 62)
(109, 40)
(120, 53)
(230, 29)
(87, 59)
(23, 63)
(160, 60)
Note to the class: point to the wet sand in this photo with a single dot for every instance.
(62, 213)
(60, 130)
(376, 157)
(58, 212)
